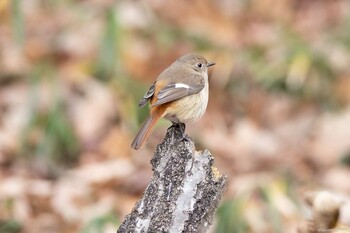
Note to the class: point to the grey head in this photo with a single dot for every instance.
(196, 62)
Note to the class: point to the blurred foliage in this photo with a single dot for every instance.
(108, 62)
(341, 33)
(230, 216)
(10, 226)
(49, 137)
(98, 224)
(269, 59)
(345, 159)
(241, 214)
(299, 71)
(17, 21)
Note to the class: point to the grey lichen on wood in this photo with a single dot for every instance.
(183, 193)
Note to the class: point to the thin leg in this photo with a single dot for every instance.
(182, 128)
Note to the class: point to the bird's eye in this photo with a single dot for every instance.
(199, 65)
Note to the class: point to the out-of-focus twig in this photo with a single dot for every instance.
(325, 213)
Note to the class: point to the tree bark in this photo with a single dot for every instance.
(183, 193)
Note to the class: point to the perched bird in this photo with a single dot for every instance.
(180, 94)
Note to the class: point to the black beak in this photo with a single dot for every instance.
(210, 64)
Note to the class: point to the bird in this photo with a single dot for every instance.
(179, 94)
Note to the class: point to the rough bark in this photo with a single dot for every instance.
(183, 193)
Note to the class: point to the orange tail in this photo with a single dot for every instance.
(144, 132)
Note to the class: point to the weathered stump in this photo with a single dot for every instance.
(183, 193)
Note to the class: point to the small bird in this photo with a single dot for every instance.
(180, 94)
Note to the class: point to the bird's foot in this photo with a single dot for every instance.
(182, 128)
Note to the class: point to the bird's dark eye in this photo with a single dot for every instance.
(199, 65)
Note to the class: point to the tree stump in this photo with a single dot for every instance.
(184, 191)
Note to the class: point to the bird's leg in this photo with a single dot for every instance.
(182, 128)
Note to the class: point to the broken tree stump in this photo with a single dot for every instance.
(184, 191)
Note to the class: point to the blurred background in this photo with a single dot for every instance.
(72, 73)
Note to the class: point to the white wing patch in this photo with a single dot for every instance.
(181, 85)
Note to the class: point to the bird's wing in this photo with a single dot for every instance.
(177, 90)
(148, 95)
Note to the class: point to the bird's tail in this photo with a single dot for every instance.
(144, 132)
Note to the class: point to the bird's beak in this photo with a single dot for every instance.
(210, 64)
